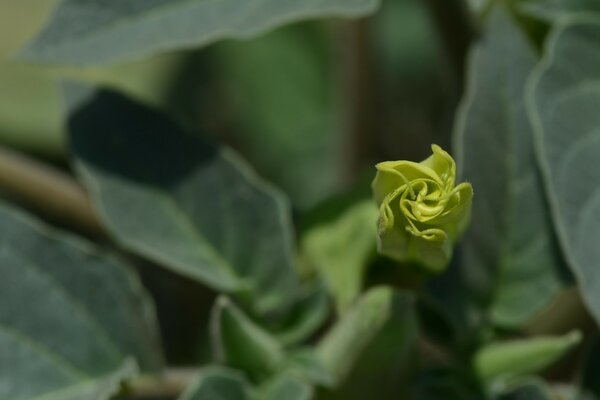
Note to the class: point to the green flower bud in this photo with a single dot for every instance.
(421, 212)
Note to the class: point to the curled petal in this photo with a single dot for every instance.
(422, 213)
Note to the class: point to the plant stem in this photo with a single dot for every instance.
(170, 384)
(355, 66)
(47, 190)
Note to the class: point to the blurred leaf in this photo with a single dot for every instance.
(563, 98)
(240, 343)
(339, 251)
(378, 330)
(73, 322)
(553, 10)
(281, 88)
(521, 357)
(510, 245)
(531, 389)
(218, 383)
(305, 317)
(306, 363)
(98, 31)
(30, 100)
(180, 201)
(286, 387)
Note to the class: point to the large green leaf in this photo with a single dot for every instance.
(510, 245)
(73, 322)
(340, 251)
(179, 200)
(280, 89)
(563, 98)
(92, 31)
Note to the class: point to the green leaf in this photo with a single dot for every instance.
(218, 383)
(73, 322)
(281, 121)
(510, 246)
(339, 251)
(305, 317)
(97, 31)
(381, 317)
(240, 343)
(521, 357)
(554, 10)
(286, 387)
(563, 96)
(531, 389)
(179, 200)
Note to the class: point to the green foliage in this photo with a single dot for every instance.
(520, 357)
(259, 314)
(94, 31)
(73, 323)
(509, 251)
(182, 185)
(218, 383)
(340, 251)
(563, 97)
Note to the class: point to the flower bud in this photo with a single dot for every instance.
(421, 212)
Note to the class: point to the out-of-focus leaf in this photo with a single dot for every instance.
(522, 357)
(218, 383)
(340, 251)
(376, 333)
(305, 317)
(531, 389)
(30, 100)
(563, 98)
(280, 89)
(306, 363)
(73, 322)
(240, 343)
(93, 31)
(286, 387)
(509, 251)
(553, 10)
(177, 199)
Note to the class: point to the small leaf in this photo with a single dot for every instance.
(97, 31)
(523, 356)
(241, 343)
(305, 317)
(73, 322)
(563, 98)
(182, 202)
(378, 309)
(286, 387)
(218, 383)
(339, 251)
(530, 389)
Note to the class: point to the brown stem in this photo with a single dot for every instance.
(354, 64)
(47, 190)
(170, 384)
